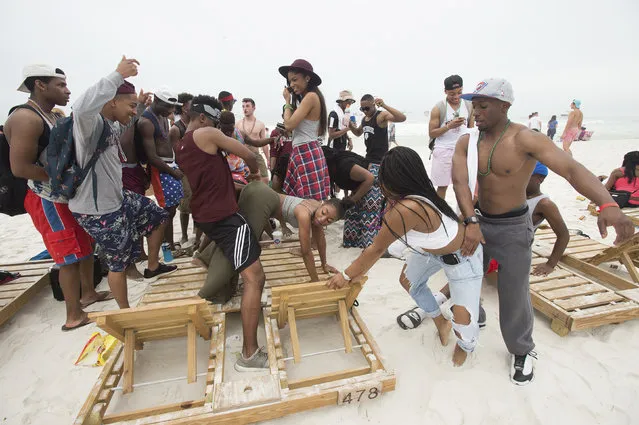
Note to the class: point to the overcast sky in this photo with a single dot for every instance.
(551, 51)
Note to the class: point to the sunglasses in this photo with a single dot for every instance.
(365, 108)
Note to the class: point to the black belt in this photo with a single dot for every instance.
(518, 212)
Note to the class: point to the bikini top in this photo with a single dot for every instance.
(440, 238)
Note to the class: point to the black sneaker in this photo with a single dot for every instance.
(521, 371)
(481, 321)
(162, 269)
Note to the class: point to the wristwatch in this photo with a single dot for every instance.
(471, 220)
(345, 276)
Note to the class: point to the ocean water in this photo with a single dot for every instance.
(615, 128)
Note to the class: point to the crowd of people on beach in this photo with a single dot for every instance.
(86, 177)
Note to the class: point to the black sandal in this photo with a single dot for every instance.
(412, 315)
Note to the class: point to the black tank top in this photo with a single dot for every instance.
(210, 179)
(375, 139)
(344, 163)
(181, 126)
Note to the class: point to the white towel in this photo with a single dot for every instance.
(472, 163)
(340, 118)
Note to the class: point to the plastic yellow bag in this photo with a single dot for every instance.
(97, 350)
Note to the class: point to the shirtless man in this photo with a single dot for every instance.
(255, 129)
(573, 126)
(507, 155)
(166, 177)
(134, 176)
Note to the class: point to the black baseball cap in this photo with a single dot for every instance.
(453, 82)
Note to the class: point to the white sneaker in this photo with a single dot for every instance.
(522, 369)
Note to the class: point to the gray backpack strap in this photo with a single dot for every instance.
(442, 111)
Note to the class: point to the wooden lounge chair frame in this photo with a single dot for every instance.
(251, 400)
(34, 275)
(574, 299)
(583, 251)
(266, 397)
(292, 302)
(135, 326)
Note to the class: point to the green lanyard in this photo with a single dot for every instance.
(492, 150)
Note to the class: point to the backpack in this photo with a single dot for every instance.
(621, 197)
(14, 189)
(62, 165)
(441, 105)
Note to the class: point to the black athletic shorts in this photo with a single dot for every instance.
(281, 165)
(236, 240)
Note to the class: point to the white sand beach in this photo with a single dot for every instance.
(587, 377)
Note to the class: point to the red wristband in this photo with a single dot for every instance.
(609, 204)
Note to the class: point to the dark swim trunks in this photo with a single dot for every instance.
(119, 233)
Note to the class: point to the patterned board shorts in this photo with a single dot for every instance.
(119, 233)
(167, 189)
(307, 174)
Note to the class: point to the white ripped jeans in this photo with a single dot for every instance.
(465, 288)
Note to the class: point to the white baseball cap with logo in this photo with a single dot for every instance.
(495, 88)
(167, 95)
(38, 70)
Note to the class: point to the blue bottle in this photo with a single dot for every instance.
(166, 252)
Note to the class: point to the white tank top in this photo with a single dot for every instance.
(440, 238)
(449, 139)
(305, 132)
(532, 204)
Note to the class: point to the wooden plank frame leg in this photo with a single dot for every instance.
(346, 333)
(295, 341)
(194, 316)
(559, 327)
(630, 266)
(129, 352)
(191, 353)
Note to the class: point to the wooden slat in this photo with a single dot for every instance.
(285, 267)
(11, 306)
(295, 341)
(171, 296)
(558, 273)
(177, 287)
(270, 344)
(586, 301)
(346, 333)
(630, 266)
(328, 377)
(151, 411)
(606, 314)
(129, 352)
(600, 274)
(573, 291)
(83, 417)
(558, 283)
(191, 353)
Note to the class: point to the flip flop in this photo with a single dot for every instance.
(102, 296)
(412, 315)
(85, 322)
